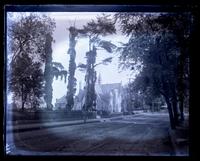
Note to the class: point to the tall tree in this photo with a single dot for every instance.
(36, 86)
(102, 27)
(157, 42)
(30, 44)
(26, 39)
(48, 72)
(52, 69)
(92, 30)
(25, 79)
(71, 87)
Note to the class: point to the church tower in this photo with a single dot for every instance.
(99, 80)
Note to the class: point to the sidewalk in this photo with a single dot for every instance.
(38, 126)
(35, 125)
(180, 140)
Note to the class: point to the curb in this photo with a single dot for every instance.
(47, 126)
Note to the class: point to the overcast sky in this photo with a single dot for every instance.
(109, 73)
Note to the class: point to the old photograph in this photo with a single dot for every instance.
(97, 83)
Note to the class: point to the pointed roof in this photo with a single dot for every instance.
(61, 100)
(106, 88)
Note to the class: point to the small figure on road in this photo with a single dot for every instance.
(84, 112)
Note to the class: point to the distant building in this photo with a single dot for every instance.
(60, 103)
(109, 98)
(79, 100)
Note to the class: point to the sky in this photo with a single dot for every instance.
(109, 73)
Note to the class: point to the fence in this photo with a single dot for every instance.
(49, 115)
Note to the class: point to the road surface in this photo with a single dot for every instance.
(140, 134)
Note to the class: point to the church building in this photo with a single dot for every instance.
(109, 97)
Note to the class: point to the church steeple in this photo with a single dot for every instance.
(99, 80)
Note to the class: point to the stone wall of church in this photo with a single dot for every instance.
(115, 101)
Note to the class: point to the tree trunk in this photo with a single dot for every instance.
(22, 97)
(169, 107)
(48, 89)
(171, 117)
(23, 104)
(174, 105)
(181, 108)
(90, 101)
(48, 72)
(174, 101)
(181, 70)
(71, 87)
(166, 94)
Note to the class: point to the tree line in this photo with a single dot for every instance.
(159, 46)
(30, 68)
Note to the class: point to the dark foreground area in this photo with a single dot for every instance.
(141, 134)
